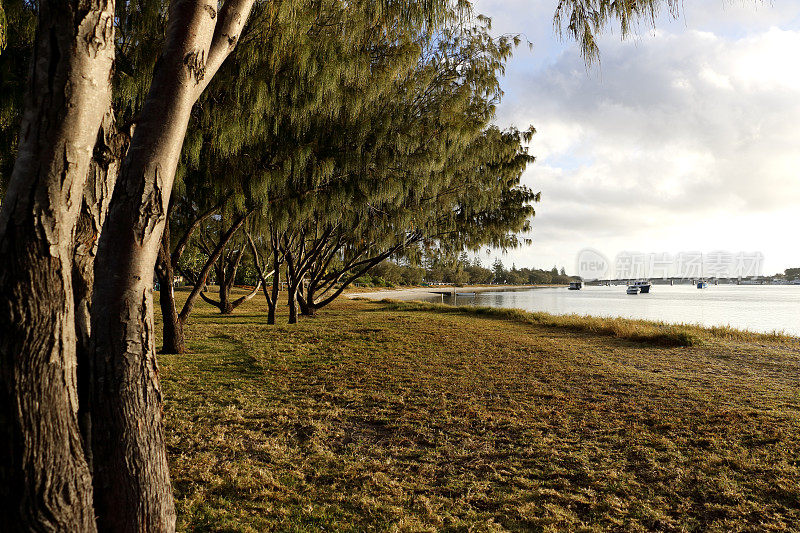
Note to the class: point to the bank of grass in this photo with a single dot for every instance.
(645, 331)
(375, 416)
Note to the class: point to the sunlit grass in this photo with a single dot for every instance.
(658, 333)
(376, 416)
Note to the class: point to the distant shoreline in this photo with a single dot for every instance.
(415, 293)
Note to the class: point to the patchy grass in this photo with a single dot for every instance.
(374, 416)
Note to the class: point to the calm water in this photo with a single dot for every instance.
(755, 308)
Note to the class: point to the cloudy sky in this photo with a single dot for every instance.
(685, 138)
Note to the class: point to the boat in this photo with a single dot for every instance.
(575, 285)
(644, 286)
(702, 284)
(633, 289)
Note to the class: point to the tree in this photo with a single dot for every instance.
(44, 479)
(449, 178)
(499, 271)
(271, 291)
(131, 475)
(133, 485)
(188, 217)
(227, 263)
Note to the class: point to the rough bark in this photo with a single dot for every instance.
(45, 483)
(109, 150)
(131, 476)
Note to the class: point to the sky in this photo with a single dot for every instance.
(685, 138)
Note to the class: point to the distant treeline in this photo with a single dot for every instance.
(461, 272)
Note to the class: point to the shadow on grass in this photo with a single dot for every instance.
(237, 359)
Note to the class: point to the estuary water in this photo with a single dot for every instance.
(763, 308)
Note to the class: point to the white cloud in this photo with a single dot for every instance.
(685, 128)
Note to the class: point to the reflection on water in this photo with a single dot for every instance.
(755, 308)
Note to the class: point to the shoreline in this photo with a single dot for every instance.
(414, 293)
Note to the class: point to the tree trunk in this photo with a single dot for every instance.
(311, 308)
(231, 267)
(168, 260)
(45, 483)
(291, 290)
(225, 306)
(305, 302)
(173, 340)
(216, 255)
(133, 490)
(108, 153)
(276, 287)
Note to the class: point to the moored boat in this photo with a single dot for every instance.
(633, 289)
(575, 285)
(644, 286)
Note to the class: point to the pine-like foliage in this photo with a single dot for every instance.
(420, 164)
(584, 20)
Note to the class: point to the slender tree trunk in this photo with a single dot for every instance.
(45, 483)
(305, 301)
(225, 306)
(131, 477)
(173, 322)
(173, 340)
(310, 293)
(276, 287)
(231, 268)
(291, 291)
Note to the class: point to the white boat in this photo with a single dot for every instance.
(644, 286)
(633, 289)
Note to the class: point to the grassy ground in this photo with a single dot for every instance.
(382, 416)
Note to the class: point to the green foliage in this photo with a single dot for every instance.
(353, 136)
(140, 29)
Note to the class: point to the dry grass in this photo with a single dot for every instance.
(376, 417)
(645, 331)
